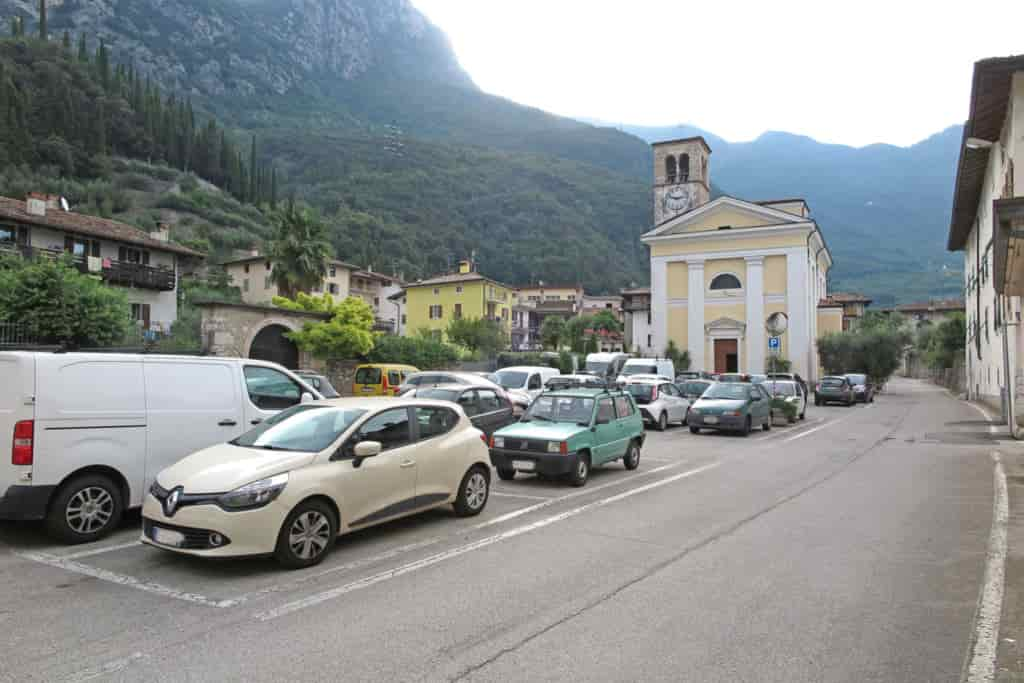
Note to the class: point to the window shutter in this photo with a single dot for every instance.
(145, 316)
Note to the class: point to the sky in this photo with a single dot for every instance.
(852, 73)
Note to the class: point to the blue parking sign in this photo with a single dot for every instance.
(774, 342)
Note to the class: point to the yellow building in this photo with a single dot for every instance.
(432, 304)
(720, 268)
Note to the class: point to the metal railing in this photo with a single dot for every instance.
(15, 334)
(124, 273)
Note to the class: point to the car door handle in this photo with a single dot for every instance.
(227, 423)
(256, 421)
(407, 464)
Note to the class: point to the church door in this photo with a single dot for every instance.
(726, 355)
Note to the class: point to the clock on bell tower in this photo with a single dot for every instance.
(681, 179)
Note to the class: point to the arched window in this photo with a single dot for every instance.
(670, 169)
(726, 281)
(684, 167)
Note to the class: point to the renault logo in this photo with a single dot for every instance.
(171, 504)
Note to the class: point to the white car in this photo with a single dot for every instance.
(648, 366)
(524, 383)
(659, 400)
(290, 486)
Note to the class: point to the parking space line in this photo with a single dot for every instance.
(123, 580)
(99, 551)
(333, 593)
(104, 669)
(551, 501)
(519, 495)
(811, 431)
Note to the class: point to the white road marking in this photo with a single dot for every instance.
(779, 432)
(104, 669)
(981, 665)
(99, 551)
(123, 580)
(811, 431)
(985, 414)
(502, 494)
(333, 593)
(551, 501)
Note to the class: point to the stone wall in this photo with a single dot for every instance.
(229, 329)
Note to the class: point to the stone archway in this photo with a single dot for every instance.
(271, 344)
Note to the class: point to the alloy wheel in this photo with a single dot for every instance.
(89, 510)
(309, 535)
(476, 491)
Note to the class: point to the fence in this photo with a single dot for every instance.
(15, 334)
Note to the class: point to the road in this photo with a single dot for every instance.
(850, 547)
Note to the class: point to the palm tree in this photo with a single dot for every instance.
(299, 250)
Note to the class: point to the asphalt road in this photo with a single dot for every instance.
(850, 547)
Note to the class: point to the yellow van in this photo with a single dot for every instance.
(380, 379)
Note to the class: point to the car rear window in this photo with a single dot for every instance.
(368, 376)
(781, 389)
(438, 394)
(832, 382)
(643, 391)
(640, 370)
(695, 388)
(857, 379)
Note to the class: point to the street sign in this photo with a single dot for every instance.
(774, 343)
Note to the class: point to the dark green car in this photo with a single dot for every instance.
(565, 433)
(834, 390)
(731, 406)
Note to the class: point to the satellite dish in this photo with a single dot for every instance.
(777, 324)
(64, 204)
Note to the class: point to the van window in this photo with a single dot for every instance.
(270, 389)
(99, 388)
(368, 376)
(535, 382)
(394, 378)
(189, 386)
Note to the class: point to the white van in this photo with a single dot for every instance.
(524, 383)
(607, 366)
(662, 367)
(89, 431)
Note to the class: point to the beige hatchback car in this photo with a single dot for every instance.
(289, 487)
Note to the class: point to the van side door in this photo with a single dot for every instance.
(191, 405)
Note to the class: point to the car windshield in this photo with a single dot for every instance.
(597, 367)
(307, 428)
(832, 382)
(368, 376)
(782, 388)
(732, 391)
(561, 409)
(694, 388)
(857, 379)
(439, 394)
(640, 370)
(511, 379)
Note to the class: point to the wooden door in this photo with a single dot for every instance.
(726, 355)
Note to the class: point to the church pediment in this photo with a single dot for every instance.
(725, 324)
(725, 213)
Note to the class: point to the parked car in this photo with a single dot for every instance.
(89, 430)
(790, 377)
(790, 392)
(692, 374)
(290, 486)
(318, 382)
(733, 377)
(693, 389)
(380, 379)
(524, 383)
(433, 378)
(834, 390)
(660, 401)
(863, 390)
(487, 407)
(566, 433)
(560, 382)
(732, 406)
(661, 367)
(607, 366)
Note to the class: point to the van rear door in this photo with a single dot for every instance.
(192, 404)
(17, 392)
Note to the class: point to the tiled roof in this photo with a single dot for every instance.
(68, 221)
(264, 257)
(848, 298)
(635, 290)
(452, 278)
(937, 305)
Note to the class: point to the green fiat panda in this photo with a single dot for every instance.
(565, 433)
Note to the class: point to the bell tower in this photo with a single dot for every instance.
(681, 178)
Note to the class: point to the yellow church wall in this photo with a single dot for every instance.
(677, 326)
(736, 266)
(795, 208)
(716, 219)
(685, 247)
(775, 275)
(678, 280)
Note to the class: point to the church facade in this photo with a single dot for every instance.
(720, 268)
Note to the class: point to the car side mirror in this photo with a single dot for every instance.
(306, 397)
(364, 450)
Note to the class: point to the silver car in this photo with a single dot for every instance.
(659, 400)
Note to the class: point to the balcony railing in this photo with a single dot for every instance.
(123, 273)
(636, 305)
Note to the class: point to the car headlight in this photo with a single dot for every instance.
(254, 495)
(554, 446)
(499, 442)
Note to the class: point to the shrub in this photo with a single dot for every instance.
(421, 352)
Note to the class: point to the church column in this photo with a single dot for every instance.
(659, 304)
(798, 334)
(695, 314)
(755, 315)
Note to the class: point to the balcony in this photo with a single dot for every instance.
(636, 305)
(114, 272)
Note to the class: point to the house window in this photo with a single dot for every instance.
(648, 341)
(81, 247)
(458, 311)
(403, 318)
(129, 255)
(266, 282)
(436, 291)
(458, 290)
(266, 266)
(333, 270)
(436, 312)
(534, 297)
(332, 288)
(504, 314)
(553, 297)
(6, 233)
(608, 306)
(245, 285)
(246, 268)
(376, 302)
(648, 319)
(571, 297)
(140, 314)
(726, 281)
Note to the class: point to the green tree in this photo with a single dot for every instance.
(552, 332)
(944, 343)
(59, 305)
(44, 29)
(605, 321)
(65, 43)
(299, 250)
(680, 359)
(424, 353)
(83, 50)
(875, 348)
(347, 334)
(477, 335)
(577, 331)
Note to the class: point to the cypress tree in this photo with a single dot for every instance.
(83, 51)
(66, 43)
(273, 188)
(103, 65)
(44, 29)
(252, 175)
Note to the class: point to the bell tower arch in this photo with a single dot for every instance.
(681, 178)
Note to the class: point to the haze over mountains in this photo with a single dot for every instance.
(364, 107)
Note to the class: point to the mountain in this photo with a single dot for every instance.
(884, 209)
(363, 108)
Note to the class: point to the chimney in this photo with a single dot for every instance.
(35, 204)
(162, 232)
(465, 266)
(254, 252)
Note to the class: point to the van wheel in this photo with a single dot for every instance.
(473, 492)
(85, 509)
(306, 535)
